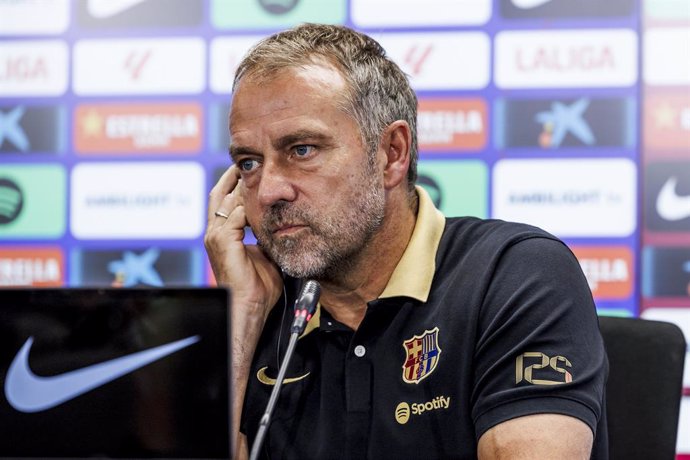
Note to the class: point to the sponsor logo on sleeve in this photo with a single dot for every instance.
(551, 124)
(33, 17)
(568, 197)
(32, 201)
(33, 68)
(441, 60)
(142, 66)
(27, 129)
(256, 14)
(537, 368)
(451, 124)
(665, 67)
(393, 13)
(31, 266)
(565, 58)
(608, 269)
(138, 128)
(158, 200)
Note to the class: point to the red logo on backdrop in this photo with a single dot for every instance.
(40, 267)
(586, 57)
(416, 56)
(135, 62)
(23, 68)
(451, 124)
(422, 356)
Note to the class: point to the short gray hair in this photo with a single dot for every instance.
(378, 94)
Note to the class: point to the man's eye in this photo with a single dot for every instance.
(247, 165)
(303, 150)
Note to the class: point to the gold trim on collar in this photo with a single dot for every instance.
(414, 273)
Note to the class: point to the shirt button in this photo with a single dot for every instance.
(360, 351)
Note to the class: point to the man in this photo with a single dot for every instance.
(435, 337)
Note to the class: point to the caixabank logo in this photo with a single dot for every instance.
(563, 123)
(32, 129)
(136, 267)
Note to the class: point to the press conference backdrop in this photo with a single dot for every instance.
(573, 116)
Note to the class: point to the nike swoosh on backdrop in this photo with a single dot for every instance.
(27, 392)
(529, 4)
(671, 206)
(103, 9)
(266, 380)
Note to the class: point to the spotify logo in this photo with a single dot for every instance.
(278, 7)
(11, 201)
(402, 413)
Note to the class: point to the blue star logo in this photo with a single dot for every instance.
(11, 130)
(133, 269)
(563, 119)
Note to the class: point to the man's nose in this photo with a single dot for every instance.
(275, 185)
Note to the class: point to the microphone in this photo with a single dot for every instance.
(305, 305)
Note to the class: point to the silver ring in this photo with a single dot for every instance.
(221, 214)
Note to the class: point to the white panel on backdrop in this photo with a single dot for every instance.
(437, 61)
(33, 68)
(565, 58)
(376, 13)
(683, 444)
(36, 17)
(663, 66)
(568, 197)
(141, 66)
(226, 54)
(163, 200)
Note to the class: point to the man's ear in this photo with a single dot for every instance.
(396, 142)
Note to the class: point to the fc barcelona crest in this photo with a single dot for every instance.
(422, 356)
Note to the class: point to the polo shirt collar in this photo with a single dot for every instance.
(415, 271)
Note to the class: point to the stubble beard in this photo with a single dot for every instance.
(330, 245)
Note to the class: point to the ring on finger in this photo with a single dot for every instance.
(221, 214)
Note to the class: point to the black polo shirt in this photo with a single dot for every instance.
(482, 321)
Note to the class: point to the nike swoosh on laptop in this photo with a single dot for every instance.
(529, 4)
(103, 9)
(27, 392)
(266, 380)
(670, 205)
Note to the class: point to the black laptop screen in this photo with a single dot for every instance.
(120, 373)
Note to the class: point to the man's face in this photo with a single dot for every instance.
(312, 196)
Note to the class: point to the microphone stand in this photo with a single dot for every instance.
(304, 309)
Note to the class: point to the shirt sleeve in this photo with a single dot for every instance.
(538, 349)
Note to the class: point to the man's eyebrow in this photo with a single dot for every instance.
(237, 150)
(300, 136)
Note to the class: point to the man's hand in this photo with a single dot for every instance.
(254, 280)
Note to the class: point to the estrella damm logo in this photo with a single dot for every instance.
(533, 367)
(422, 354)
